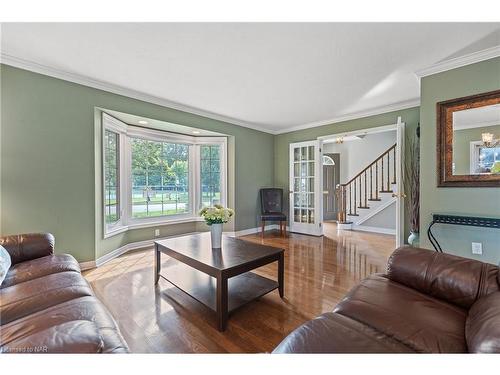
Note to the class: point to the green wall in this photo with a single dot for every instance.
(47, 161)
(48, 177)
(281, 142)
(464, 81)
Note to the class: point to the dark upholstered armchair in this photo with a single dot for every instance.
(271, 202)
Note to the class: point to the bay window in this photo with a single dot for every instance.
(158, 178)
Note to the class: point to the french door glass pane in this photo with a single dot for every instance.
(311, 185)
(296, 154)
(311, 169)
(303, 169)
(303, 153)
(311, 153)
(310, 216)
(296, 215)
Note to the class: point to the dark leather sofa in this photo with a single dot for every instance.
(47, 306)
(427, 302)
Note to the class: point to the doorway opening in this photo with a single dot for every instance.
(349, 178)
(361, 180)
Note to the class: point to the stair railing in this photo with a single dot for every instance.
(366, 186)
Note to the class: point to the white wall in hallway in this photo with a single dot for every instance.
(357, 154)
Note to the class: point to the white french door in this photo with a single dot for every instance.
(305, 175)
(400, 201)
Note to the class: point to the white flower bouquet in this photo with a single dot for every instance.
(216, 214)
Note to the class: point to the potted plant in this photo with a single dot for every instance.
(411, 182)
(214, 217)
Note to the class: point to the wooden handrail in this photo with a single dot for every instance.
(358, 191)
(370, 165)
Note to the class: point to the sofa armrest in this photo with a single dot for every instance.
(23, 247)
(457, 280)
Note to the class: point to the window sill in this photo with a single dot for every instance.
(151, 224)
(113, 232)
(157, 223)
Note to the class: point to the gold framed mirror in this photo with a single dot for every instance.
(468, 141)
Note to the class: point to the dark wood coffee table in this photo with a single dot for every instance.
(219, 278)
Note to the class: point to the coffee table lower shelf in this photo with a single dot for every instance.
(202, 287)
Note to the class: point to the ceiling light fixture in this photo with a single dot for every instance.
(196, 132)
(489, 141)
(143, 122)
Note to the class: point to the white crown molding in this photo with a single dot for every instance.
(458, 62)
(115, 89)
(356, 115)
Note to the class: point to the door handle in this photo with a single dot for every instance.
(325, 191)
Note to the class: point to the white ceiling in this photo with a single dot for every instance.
(477, 117)
(275, 76)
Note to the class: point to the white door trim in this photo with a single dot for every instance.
(400, 201)
(398, 126)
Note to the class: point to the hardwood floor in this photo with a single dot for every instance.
(319, 271)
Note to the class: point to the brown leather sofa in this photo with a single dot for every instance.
(47, 306)
(427, 302)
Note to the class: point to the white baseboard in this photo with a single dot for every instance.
(364, 228)
(245, 232)
(124, 249)
(344, 226)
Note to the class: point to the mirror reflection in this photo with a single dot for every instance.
(476, 141)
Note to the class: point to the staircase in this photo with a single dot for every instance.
(370, 191)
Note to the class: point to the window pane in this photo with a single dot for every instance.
(487, 158)
(160, 178)
(111, 175)
(210, 175)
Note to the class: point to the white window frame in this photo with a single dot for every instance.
(127, 132)
(115, 126)
(222, 142)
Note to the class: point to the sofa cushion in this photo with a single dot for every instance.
(457, 280)
(28, 246)
(76, 310)
(482, 329)
(5, 264)
(421, 322)
(26, 298)
(79, 336)
(334, 333)
(39, 267)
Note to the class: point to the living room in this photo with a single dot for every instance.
(272, 188)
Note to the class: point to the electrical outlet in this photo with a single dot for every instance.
(477, 248)
(157, 232)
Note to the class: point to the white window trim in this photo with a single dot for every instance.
(127, 132)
